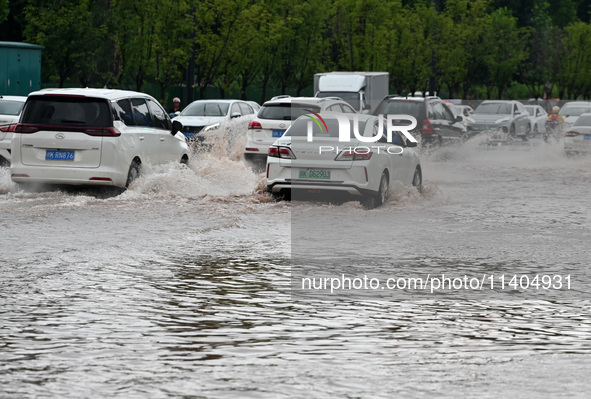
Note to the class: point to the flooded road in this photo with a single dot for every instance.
(183, 285)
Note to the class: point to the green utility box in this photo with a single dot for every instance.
(20, 68)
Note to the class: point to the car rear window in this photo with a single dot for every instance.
(203, 108)
(583, 120)
(67, 111)
(8, 107)
(286, 111)
(574, 110)
(400, 107)
(300, 127)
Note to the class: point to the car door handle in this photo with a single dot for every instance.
(162, 139)
(141, 137)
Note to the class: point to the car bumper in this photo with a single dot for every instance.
(101, 176)
(353, 181)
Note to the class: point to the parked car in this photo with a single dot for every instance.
(255, 106)
(276, 115)
(547, 104)
(355, 169)
(577, 139)
(10, 110)
(204, 116)
(465, 111)
(571, 110)
(537, 118)
(508, 116)
(436, 122)
(92, 137)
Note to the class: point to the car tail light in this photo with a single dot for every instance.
(285, 152)
(96, 131)
(100, 179)
(427, 127)
(25, 129)
(105, 131)
(8, 128)
(273, 152)
(353, 155)
(571, 133)
(252, 149)
(254, 125)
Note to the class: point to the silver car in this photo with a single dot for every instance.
(507, 116)
(572, 109)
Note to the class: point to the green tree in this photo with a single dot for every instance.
(503, 45)
(65, 29)
(575, 70)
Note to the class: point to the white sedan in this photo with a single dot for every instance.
(537, 117)
(577, 139)
(310, 159)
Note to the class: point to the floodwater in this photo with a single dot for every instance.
(183, 286)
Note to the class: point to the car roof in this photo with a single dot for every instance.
(302, 100)
(14, 98)
(577, 103)
(410, 98)
(217, 100)
(109, 94)
(351, 117)
(498, 101)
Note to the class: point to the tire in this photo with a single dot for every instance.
(281, 196)
(417, 179)
(512, 131)
(375, 200)
(527, 132)
(184, 160)
(536, 130)
(134, 172)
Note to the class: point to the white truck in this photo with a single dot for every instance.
(363, 90)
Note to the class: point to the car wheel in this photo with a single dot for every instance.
(417, 179)
(512, 131)
(375, 200)
(536, 130)
(527, 132)
(134, 172)
(281, 195)
(185, 160)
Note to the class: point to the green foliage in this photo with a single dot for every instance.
(468, 48)
(4, 10)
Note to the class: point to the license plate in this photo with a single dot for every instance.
(59, 155)
(315, 174)
(587, 137)
(278, 133)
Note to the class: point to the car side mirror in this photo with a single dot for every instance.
(459, 118)
(177, 126)
(411, 143)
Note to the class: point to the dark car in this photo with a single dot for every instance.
(436, 122)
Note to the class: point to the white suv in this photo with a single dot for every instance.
(276, 115)
(92, 137)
